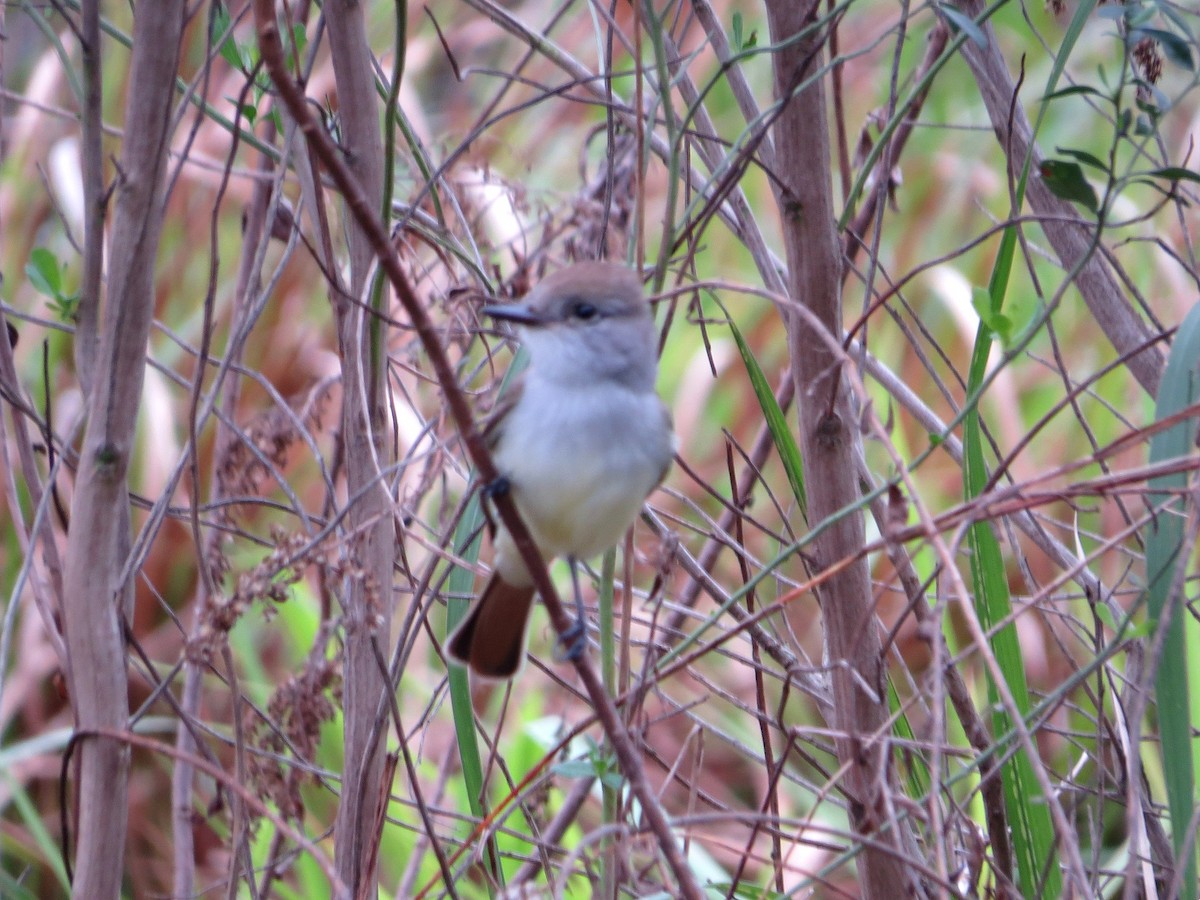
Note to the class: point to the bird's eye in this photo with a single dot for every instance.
(584, 311)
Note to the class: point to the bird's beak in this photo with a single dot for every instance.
(513, 312)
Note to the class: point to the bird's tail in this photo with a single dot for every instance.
(491, 639)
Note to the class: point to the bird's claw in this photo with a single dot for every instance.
(571, 643)
(497, 487)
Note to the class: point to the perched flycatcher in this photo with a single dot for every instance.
(580, 441)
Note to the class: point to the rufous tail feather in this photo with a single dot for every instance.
(491, 639)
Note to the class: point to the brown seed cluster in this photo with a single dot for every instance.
(270, 581)
(1148, 60)
(292, 731)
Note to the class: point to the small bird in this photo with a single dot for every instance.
(580, 442)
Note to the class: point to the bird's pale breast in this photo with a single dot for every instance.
(581, 462)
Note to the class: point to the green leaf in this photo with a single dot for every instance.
(1175, 173)
(1124, 121)
(1165, 552)
(467, 537)
(10, 887)
(739, 40)
(1104, 614)
(781, 434)
(1033, 838)
(1150, 99)
(1084, 157)
(1135, 14)
(219, 20)
(221, 31)
(38, 834)
(575, 768)
(965, 24)
(44, 273)
(295, 47)
(1003, 326)
(1175, 48)
(1065, 179)
(612, 779)
(1032, 832)
(1140, 630)
(1176, 19)
(916, 773)
(981, 300)
(1072, 90)
(299, 39)
(998, 323)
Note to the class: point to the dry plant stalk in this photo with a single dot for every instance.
(830, 442)
(98, 592)
(366, 445)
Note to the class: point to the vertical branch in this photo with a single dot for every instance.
(829, 441)
(364, 433)
(95, 599)
(94, 202)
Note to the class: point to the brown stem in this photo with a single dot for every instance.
(87, 325)
(830, 444)
(95, 596)
(367, 602)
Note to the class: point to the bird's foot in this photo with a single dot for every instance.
(497, 487)
(571, 643)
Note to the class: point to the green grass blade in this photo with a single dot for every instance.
(1029, 819)
(610, 793)
(1164, 554)
(47, 846)
(1071, 35)
(911, 765)
(1032, 832)
(459, 584)
(781, 434)
(11, 888)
